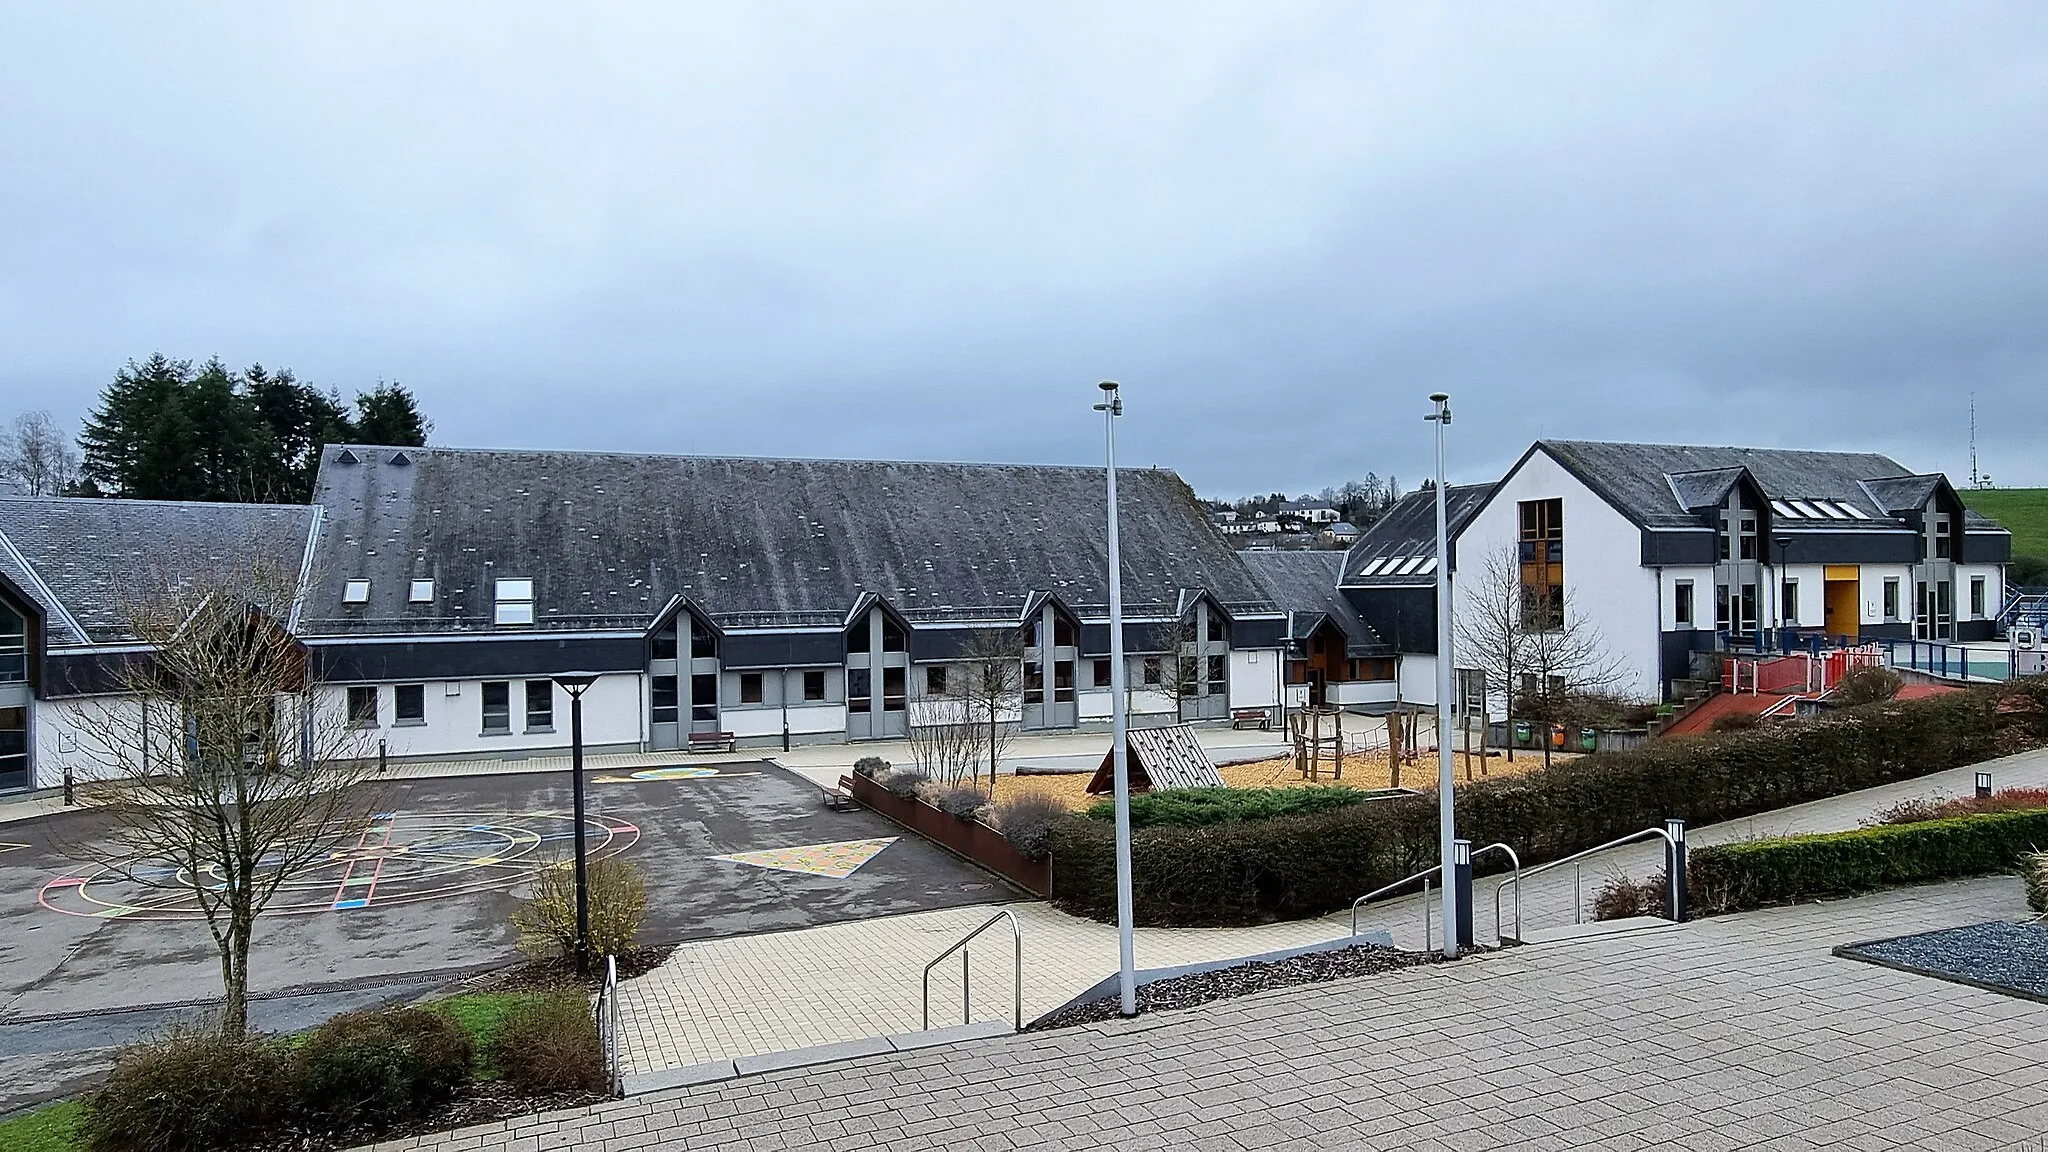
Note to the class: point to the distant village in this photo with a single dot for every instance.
(1333, 519)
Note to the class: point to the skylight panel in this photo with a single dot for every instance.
(1373, 569)
(1806, 510)
(1429, 566)
(356, 592)
(1784, 509)
(515, 602)
(1854, 512)
(422, 592)
(1834, 511)
(1408, 569)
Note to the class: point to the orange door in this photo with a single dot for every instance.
(1843, 608)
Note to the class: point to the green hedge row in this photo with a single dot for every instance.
(1296, 866)
(1753, 873)
(1194, 807)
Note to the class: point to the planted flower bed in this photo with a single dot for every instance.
(964, 836)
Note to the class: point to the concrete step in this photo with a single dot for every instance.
(1590, 929)
(660, 1078)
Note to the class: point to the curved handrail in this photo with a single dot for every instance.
(1355, 904)
(1514, 858)
(960, 945)
(1574, 858)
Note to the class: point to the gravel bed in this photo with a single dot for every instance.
(1243, 980)
(2001, 956)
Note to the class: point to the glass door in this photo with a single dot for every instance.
(13, 749)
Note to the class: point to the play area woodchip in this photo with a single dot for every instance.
(1360, 771)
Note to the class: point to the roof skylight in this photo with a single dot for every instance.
(1854, 512)
(1805, 509)
(356, 592)
(1784, 509)
(1834, 511)
(422, 592)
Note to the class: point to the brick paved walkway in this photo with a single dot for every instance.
(1735, 1032)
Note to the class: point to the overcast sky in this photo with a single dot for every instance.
(926, 231)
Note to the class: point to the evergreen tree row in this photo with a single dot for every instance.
(167, 430)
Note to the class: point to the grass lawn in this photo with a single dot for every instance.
(2023, 512)
(47, 1129)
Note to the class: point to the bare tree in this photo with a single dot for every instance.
(1566, 660)
(37, 457)
(1490, 635)
(945, 737)
(992, 661)
(1180, 667)
(224, 775)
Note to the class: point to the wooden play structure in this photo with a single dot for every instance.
(1322, 742)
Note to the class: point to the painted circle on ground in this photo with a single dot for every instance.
(677, 773)
(397, 858)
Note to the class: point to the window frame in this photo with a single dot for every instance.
(753, 688)
(814, 685)
(355, 591)
(935, 680)
(502, 709)
(414, 596)
(1683, 608)
(509, 607)
(547, 713)
(357, 694)
(399, 692)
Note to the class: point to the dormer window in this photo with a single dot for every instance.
(422, 592)
(356, 592)
(515, 602)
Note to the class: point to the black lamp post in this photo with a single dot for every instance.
(1784, 544)
(575, 683)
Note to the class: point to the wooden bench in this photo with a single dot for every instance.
(713, 742)
(839, 798)
(1259, 716)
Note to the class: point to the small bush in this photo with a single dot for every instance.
(546, 920)
(1736, 722)
(2034, 871)
(190, 1093)
(1753, 873)
(904, 782)
(1943, 807)
(1869, 685)
(1027, 821)
(1620, 898)
(871, 766)
(1196, 807)
(371, 1069)
(959, 801)
(551, 1045)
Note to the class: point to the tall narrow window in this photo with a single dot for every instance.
(704, 698)
(1681, 603)
(540, 705)
(750, 687)
(663, 646)
(13, 646)
(1154, 670)
(1540, 552)
(497, 697)
(362, 706)
(1218, 675)
(859, 689)
(663, 702)
(894, 685)
(1723, 622)
(1942, 548)
(514, 602)
(1748, 536)
(409, 703)
(1977, 598)
(1891, 598)
(1034, 682)
(703, 642)
(893, 639)
(1789, 598)
(1102, 671)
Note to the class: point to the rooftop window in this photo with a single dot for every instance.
(422, 592)
(356, 592)
(515, 602)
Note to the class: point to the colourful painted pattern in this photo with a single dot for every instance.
(838, 860)
(397, 858)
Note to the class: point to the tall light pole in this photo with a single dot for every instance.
(1112, 406)
(1447, 829)
(575, 684)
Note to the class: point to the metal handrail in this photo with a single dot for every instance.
(1405, 880)
(1514, 858)
(608, 1024)
(1574, 858)
(960, 946)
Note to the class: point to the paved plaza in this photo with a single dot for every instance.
(1734, 1032)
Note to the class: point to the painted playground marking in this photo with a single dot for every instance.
(8, 846)
(397, 858)
(837, 860)
(679, 772)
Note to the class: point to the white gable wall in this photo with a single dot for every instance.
(1605, 580)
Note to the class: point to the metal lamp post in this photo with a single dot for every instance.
(1112, 406)
(1447, 828)
(1784, 544)
(575, 683)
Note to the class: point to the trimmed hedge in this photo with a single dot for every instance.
(1753, 873)
(1294, 866)
(1196, 807)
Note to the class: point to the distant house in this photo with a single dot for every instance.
(1340, 534)
(1311, 511)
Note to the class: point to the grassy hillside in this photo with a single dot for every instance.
(2023, 511)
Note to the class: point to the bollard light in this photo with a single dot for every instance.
(1983, 784)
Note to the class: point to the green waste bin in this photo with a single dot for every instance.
(1588, 739)
(1525, 735)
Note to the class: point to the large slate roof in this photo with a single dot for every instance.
(610, 538)
(1304, 585)
(1408, 533)
(90, 562)
(1661, 485)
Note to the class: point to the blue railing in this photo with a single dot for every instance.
(1958, 662)
(2024, 609)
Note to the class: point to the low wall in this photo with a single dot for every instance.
(967, 838)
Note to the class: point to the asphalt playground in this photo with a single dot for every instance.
(424, 892)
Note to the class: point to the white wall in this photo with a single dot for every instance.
(613, 708)
(1605, 581)
(1415, 678)
(1255, 675)
(1870, 579)
(1360, 691)
(1702, 592)
(71, 731)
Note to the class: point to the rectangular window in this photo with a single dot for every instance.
(1977, 597)
(422, 592)
(1528, 683)
(1942, 543)
(1471, 690)
(664, 705)
(1152, 671)
(410, 703)
(1745, 609)
(540, 705)
(362, 706)
(356, 592)
(857, 690)
(13, 646)
(1891, 598)
(497, 706)
(663, 646)
(514, 602)
(1681, 603)
(704, 698)
(894, 683)
(750, 687)
(814, 684)
(1748, 537)
(1063, 682)
(1790, 601)
(1723, 622)
(935, 681)
(1215, 627)
(1034, 682)
(1218, 673)
(1102, 673)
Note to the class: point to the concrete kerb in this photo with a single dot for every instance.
(1108, 984)
(842, 1051)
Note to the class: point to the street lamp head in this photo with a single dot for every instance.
(1442, 415)
(1112, 402)
(574, 683)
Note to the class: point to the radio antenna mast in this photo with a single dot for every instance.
(1976, 481)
